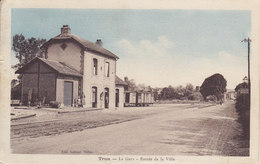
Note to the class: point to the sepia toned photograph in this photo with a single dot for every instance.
(131, 85)
(173, 82)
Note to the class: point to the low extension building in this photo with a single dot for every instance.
(73, 69)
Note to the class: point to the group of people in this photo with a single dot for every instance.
(78, 102)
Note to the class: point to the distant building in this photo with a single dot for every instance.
(230, 94)
(73, 69)
(138, 96)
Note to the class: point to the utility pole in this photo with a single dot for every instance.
(248, 40)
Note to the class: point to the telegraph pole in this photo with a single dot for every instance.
(248, 40)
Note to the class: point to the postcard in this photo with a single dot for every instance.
(129, 81)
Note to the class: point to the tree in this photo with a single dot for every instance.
(156, 93)
(167, 93)
(179, 92)
(188, 90)
(26, 49)
(214, 85)
(14, 83)
(131, 84)
(241, 85)
(141, 86)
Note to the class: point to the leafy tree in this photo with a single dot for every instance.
(188, 90)
(195, 96)
(141, 86)
(179, 92)
(14, 83)
(166, 93)
(26, 49)
(156, 93)
(131, 84)
(242, 100)
(241, 85)
(214, 85)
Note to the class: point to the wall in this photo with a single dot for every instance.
(71, 55)
(47, 87)
(28, 82)
(60, 88)
(121, 96)
(100, 80)
(132, 97)
(46, 83)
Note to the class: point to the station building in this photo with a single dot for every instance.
(73, 68)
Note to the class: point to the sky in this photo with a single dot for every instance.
(156, 47)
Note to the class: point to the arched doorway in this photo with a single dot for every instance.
(106, 97)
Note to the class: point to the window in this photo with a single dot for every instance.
(107, 69)
(95, 66)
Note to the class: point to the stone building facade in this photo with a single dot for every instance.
(72, 69)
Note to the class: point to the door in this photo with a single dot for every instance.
(117, 97)
(127, 98)
(68, 90)
(94, 97)
(106, 97)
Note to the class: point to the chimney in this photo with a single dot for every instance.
(65, 30)
(99, 42)
(126, 79)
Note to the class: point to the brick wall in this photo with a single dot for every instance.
(121, 96)
(47, 87)
(100, 80)
(47, 80)
(28, 82)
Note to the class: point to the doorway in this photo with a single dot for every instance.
(68, 93)
(117, 97)
(106, 97)
(94, 97)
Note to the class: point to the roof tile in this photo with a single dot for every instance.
(87, 44)
(120, 81)
(60, 67)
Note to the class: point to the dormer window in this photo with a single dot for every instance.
(95, 66)
(107, 65)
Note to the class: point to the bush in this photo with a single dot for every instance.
(55, 104)
(242, 103)
(243, 110)
(211, 98)
(196, 96)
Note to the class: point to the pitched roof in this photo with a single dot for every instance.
(59, 67)
(86, 44)
(120, 81)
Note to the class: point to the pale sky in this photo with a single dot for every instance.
(155, 47)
